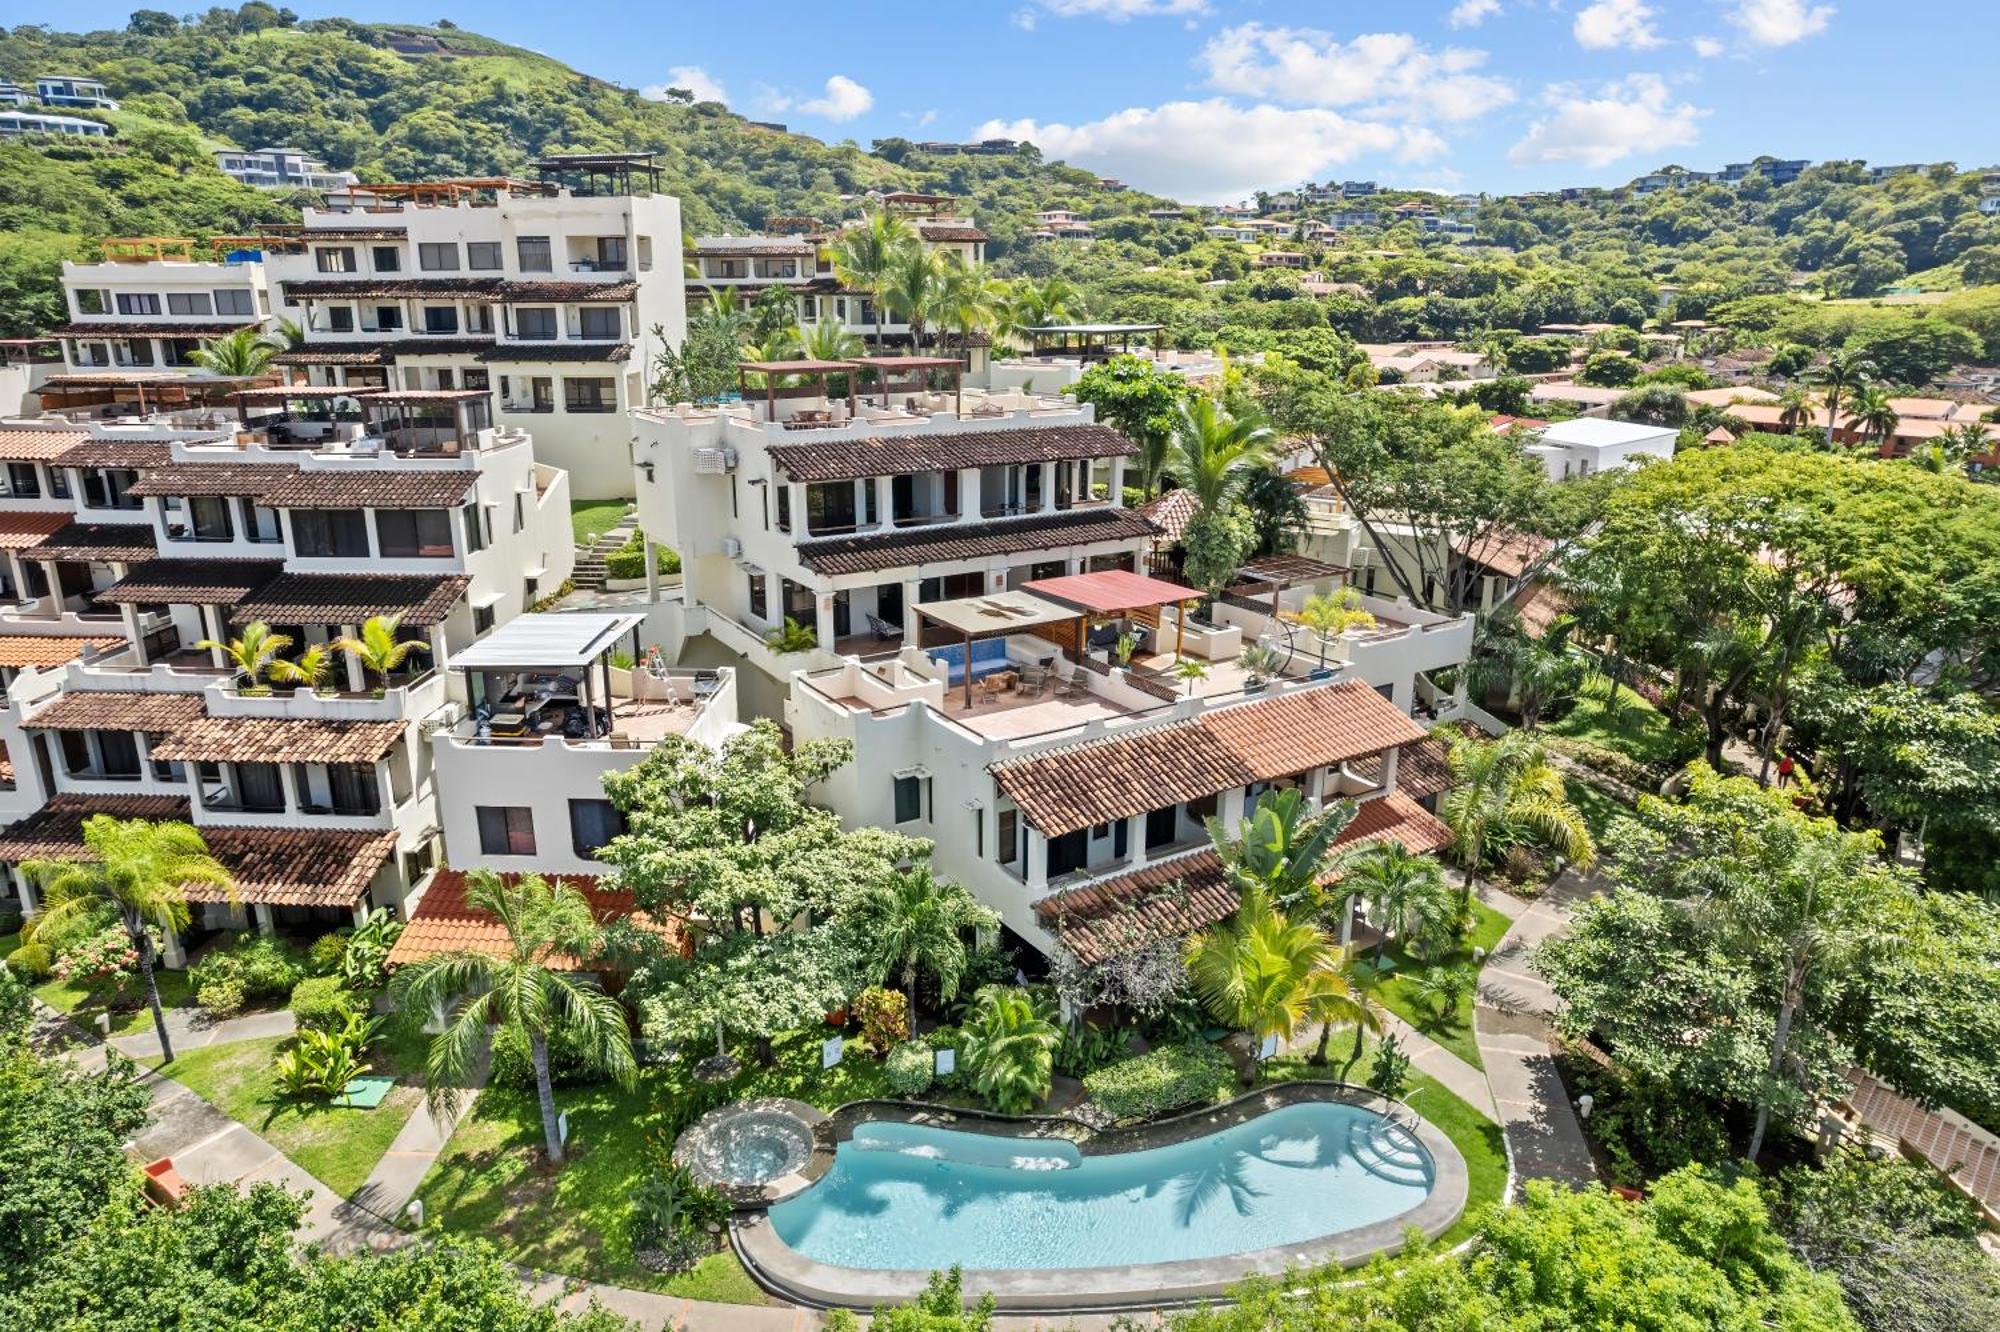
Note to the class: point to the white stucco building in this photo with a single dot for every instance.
(1589, 444)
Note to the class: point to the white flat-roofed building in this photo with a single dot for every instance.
(1588, 444)
(281, 169)
(15, 122)
(72, 90)
(152, 302)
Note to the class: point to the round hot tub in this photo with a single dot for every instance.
(754, 1151)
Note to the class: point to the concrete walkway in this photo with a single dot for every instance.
(191, 1029)
(400, 1173)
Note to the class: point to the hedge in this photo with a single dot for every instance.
(318, 1002)
(629, 560)
(910, 1069)
(1161, 1080)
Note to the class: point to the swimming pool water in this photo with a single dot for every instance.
(910, 1196)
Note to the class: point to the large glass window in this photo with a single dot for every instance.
(593, 823)
(414, 533)
(23, 481)
(330, 533)
(259, 523)
(190, 303)
(388, 259)
(440, 319)
(438, 257)
(339, 319)
(388, 318)
(354, 788)
(590, 395)
(90, 301)
(610, 253)
(138, 303)
(234, 301)
(536, 256)
(482, 256)
(200, 518)
(260, 786)
(106, 487)
(599, 323)
(335, 259)
(535, 321)
(506, 830)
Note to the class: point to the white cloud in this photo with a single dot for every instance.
(1215, 150)
(1389, 73)
(844, 99)
(1472, 13)
(1626, 24)
(1597, 128)
(1708, 48)
(1780, 22)
(1117, 11)
(691, 77)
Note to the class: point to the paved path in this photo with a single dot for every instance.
(191, 1029)
(397, 1176)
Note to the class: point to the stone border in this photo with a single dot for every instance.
(687, 1151)
(782, 1270)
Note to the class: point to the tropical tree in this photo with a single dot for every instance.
(969, 299)
(1509, 788)
(914, 289)
(1283, 848)
(1141, 399)
(531, 989)
(1191, 669)
(309, 668)
(141, 870)
(828, 340)
(1407, 894)
(1009, 1041)
(1262, 972)
(920, 925)
(244, 354)
(865, 255)
(1531, 672)
(1842, 373)
(1330, 614)
(287, 335)
(1873, 413)
(791, 636)
(1213, 455)
(254, 654)
(1041, 303)
(378, 649)
(1796, 406)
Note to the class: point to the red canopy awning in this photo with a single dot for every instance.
(1111, 591)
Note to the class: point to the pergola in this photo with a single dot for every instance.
(1115, 594)
(613, 171)
(1089, 341)
(994, 615)
(1281, 573)
(165, 385)
(298, 393)
(773, 370)
(885, 366)
(416, 417)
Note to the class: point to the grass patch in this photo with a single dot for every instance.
(1637, 730)
(591, 519)
(339, 1146)
(1599, 807)
(1398, 994)
(83, 1005)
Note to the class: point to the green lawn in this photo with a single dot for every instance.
(83, 1005)
(339, 1146)
(1638, 730)
(1600, 808)
(593, 518)
(1398, 993)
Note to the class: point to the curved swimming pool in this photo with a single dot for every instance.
(909, 1196)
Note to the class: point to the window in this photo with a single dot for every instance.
(414, 533)
(90, 301)
(388, 318)
(760, 603)
(259, 786)
(520, 511)
(910, 798)
(979, 833)
(440, 319)
(207, 520)
(784, 508)
(439, 257)
(599, 323)
(1008, 838)
(106, 487)
(330, 533)
(234, 301)
(138, 303)
(506, 830)
(482, 256)
(354, 788)
(592, 823)
(482, 620)
(189, 303)
(534, 321)
(339, 319)
(479, 319)
(388, 259)
(260, 524)
(590, 395)
(536, 257)
(475, 528)
(23, 481)
(336, 259)
(610, 253)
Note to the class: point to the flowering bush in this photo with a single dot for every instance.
(102, 961)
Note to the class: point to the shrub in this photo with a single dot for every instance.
(1645, 1126)
(884, 1016)
(1621, 767)
(570, 1064)
(911, 1068)
(267, 966)
(1161, 1080)
(364, 962)
(323, 958)
(221, 997)
(324, 1062)
(629, 560)
(105, 960)
(1087, 1049)
(670, 1214)
(1009, 1044)
(319, 1004)
(31, 962)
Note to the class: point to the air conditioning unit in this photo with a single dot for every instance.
(731, 548)
(444, 719)
(714, 461)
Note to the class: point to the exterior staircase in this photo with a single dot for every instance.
(589, 571)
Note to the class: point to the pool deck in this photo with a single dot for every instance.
(789, 1274)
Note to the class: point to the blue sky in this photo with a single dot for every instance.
(1208, 100)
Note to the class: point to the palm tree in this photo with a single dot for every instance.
(922, 927)
(1329, 615)
(1010, 1040)
(530, 988)
(287, 335)
(791, 636)
(1795, 407)
(1873, 412)
(1213, 455)
(253, 654)
(1264, 973)
(378, 649)
(1843, 371)
(1191, 669)
(970, 300)
(1509, 785)
(865, 255)
(244, 354)
(1407, 894)
(914, 289)
(1946, 455)
(1039, 304)
(308, 670)
(827, 340)
(142, 870)
(1284, 849)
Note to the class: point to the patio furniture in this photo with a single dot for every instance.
(706, 682)
(883, 630)
(164, 1184)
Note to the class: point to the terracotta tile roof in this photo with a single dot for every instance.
(1174, 898)
(294, 866)
(191, 582)
(888, 455)
(1507, 553)
(377, 353)
(933, 545)
(566, 291)
(558, 351)
(115, 710)
(126, 543)
(944, 231)
(38, 445)
(55, 831)
(378, 489)
(205, 739)
(1422, 768)
(322, 289)
(117, 453)
(212, 478)
(1171, 513)
(1061, 790)
(24, 529)
(444, 922)
(308, 598)
(17, 650)
(159, 330)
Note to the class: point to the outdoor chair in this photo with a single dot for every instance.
(883, 630)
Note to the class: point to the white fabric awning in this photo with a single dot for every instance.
(546, 640)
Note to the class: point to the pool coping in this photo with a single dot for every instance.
(786, 1272)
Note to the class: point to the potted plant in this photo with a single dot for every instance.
(1262, 663)
(379, 650)
(1122, 650)
(254, 655)
(308, 671)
